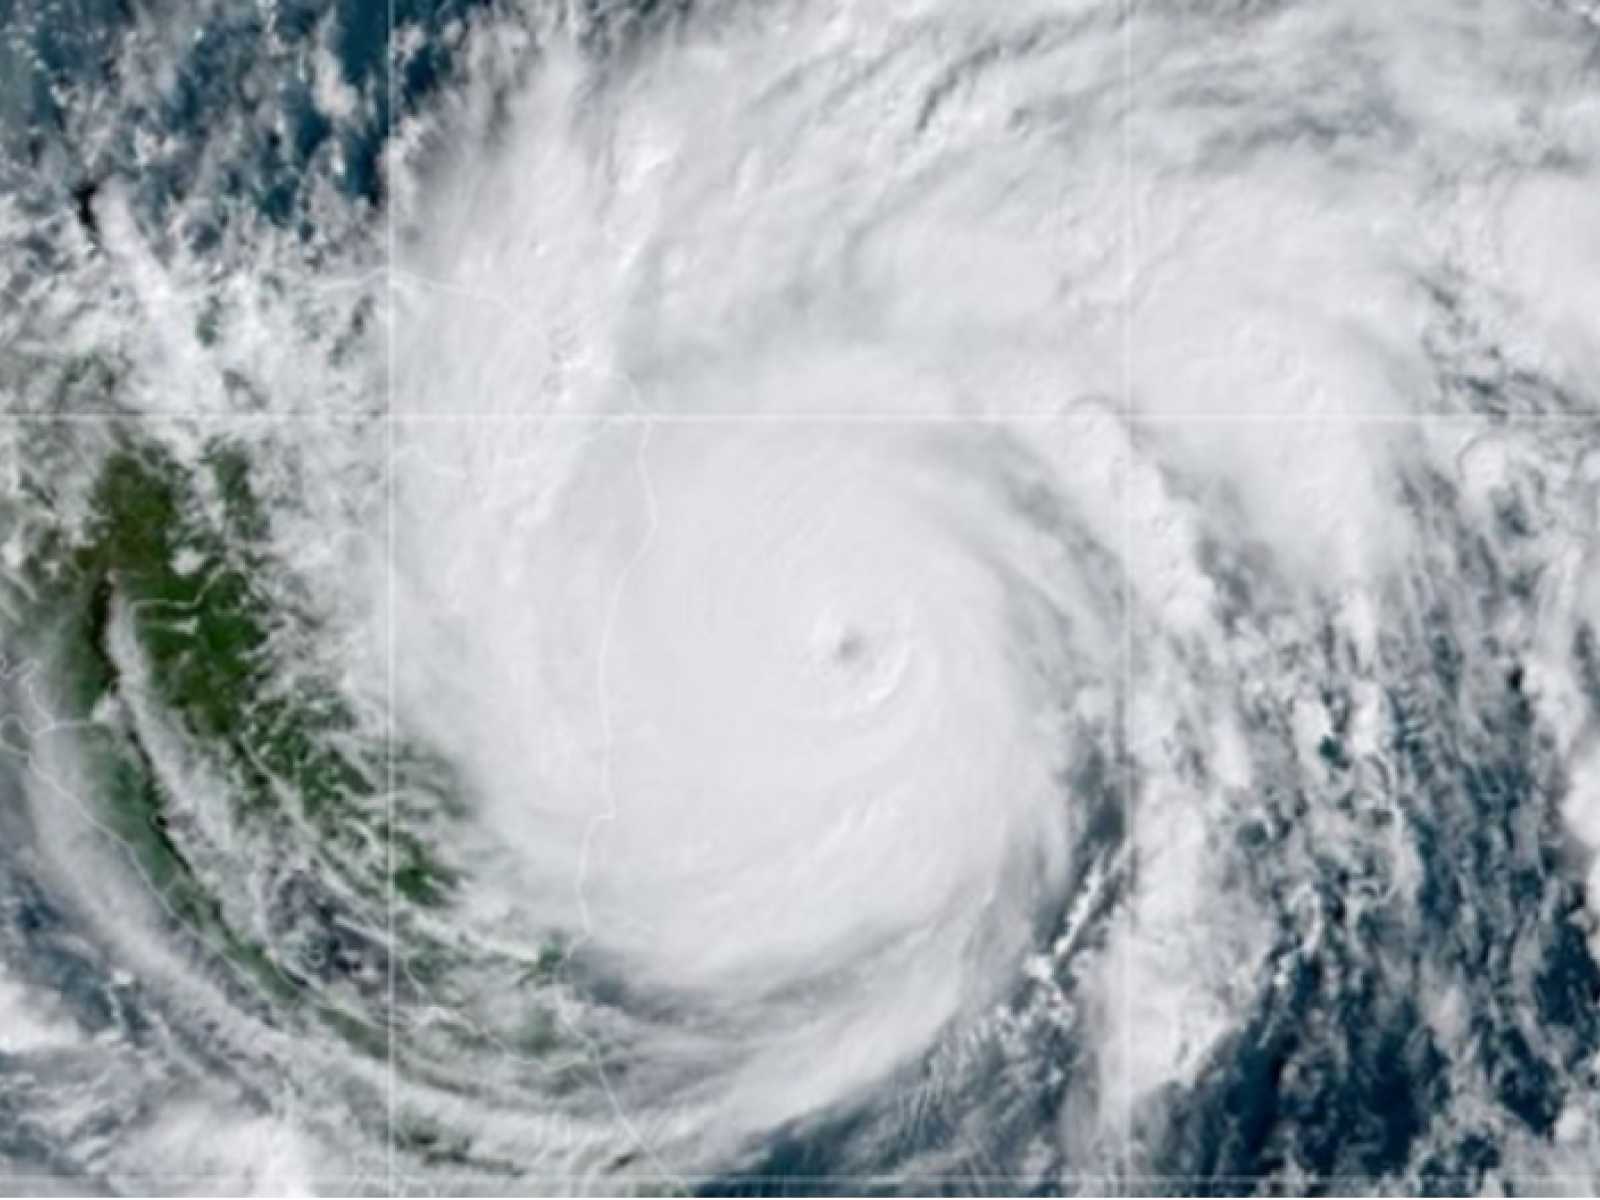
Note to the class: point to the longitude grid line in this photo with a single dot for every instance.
(391, 98)
(1124, 733)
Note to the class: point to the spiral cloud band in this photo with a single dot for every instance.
(803, 596)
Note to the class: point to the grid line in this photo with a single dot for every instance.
(391, 1149)
(1124, 750)
(736, 1180)
(1499, 420)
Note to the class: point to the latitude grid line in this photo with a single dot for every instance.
(738, 1180)
(990, 420)
(998, 419)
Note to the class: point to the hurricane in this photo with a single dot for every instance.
(800, 597)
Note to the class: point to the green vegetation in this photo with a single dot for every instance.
(552, 956)
(185, 574)
(168, 569)
(433, 1145)
(181, 575)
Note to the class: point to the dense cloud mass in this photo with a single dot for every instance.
(789, 595)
